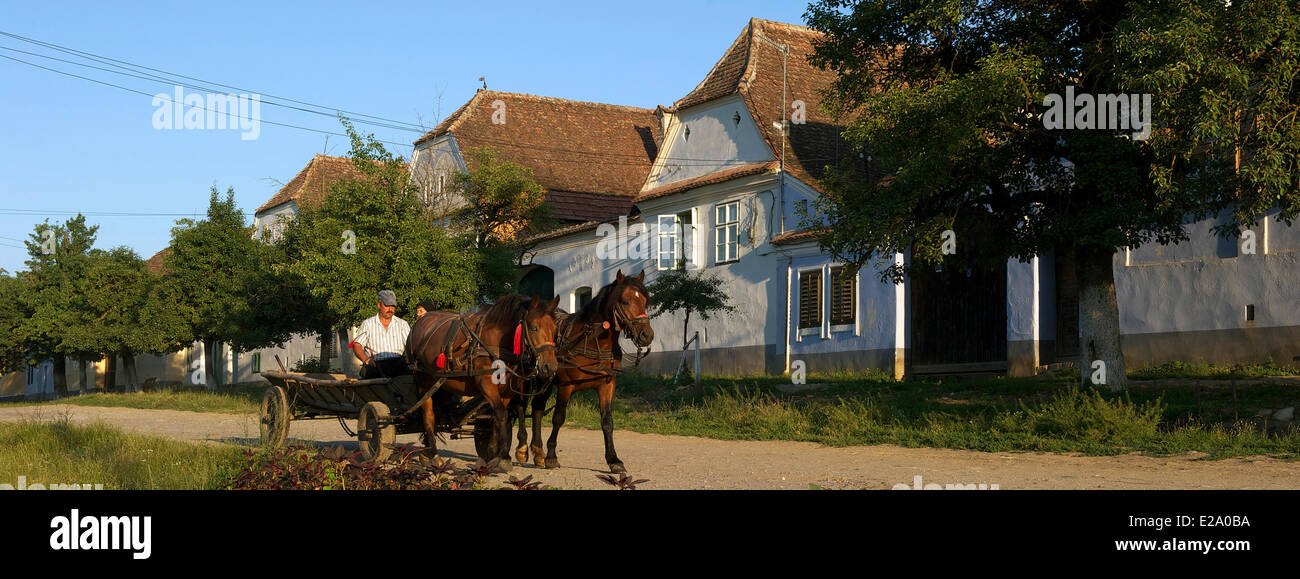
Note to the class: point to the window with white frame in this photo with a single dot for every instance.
(676, 240)
(726, 232)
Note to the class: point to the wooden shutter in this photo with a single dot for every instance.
(810, 299)
(842, 296)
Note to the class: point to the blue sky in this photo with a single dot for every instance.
(73, 145)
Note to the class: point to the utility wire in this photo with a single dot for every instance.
(205, 89)
(630, 158)
(124, 64)
(197, 107)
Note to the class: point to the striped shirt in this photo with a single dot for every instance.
(383, 342)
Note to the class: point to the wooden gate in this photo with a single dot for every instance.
(959, 321)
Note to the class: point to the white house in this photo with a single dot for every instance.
(721, 195)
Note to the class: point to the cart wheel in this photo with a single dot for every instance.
(275, 417)
(485, 440)
(375, 431)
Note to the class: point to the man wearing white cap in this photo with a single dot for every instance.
(381, 340)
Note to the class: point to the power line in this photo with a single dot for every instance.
(40, 212)
(204, 89)
(193, 106)
(130, 66)
(628, 159)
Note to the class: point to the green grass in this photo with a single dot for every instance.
(1046, 413)
(237, 399)
(1210, 371)
(59, 452)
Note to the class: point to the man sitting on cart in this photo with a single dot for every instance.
(381, 340)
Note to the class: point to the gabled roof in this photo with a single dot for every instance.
(709, 179)
(312, 183)
(752, 68)
(592, 158)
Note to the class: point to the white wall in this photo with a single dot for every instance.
(1205, 282)
(716, 142)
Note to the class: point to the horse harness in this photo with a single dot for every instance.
(451, 366)
(581, 345)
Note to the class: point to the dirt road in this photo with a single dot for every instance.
(681, 462)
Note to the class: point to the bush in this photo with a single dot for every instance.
(301, 467)
(311, 365)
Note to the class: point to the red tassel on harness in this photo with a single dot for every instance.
(604, 325)
(519, 337)
(442, 360)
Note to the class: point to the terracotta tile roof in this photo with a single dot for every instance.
(312, 183)
(155, 263)
(799, 236)
(753, 68)
(579, 227)
(572, 147)
(574, 206)
(711, 178)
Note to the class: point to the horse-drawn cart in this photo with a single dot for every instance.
(382, 407)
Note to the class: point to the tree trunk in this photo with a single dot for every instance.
(60, 376)
(326, 334)
(86, 385)
(1101, 357)
(685, 328)
(209, 363)
(110, 373)
(128, 365)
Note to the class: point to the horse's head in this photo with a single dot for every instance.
(539, 334)
(629, 301)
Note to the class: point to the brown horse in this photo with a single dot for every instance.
(519, 331)
(588, 347)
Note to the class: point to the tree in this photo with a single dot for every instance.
(135, 313)
(690, 292)
(948, 97)
(210, 266)
(1222, 75)
(13, 315)
(503, 204)
(372, 234)
(59, 318)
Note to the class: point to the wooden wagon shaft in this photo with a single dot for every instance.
(327, 382)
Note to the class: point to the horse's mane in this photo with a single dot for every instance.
(507, 310)
(600, 304)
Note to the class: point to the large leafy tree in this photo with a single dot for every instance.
(1223, 79)
(370, 234)
(13, 315)
(135, 312)
(947, 98)
(59, 319)
(502, 204)
(211, 266)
